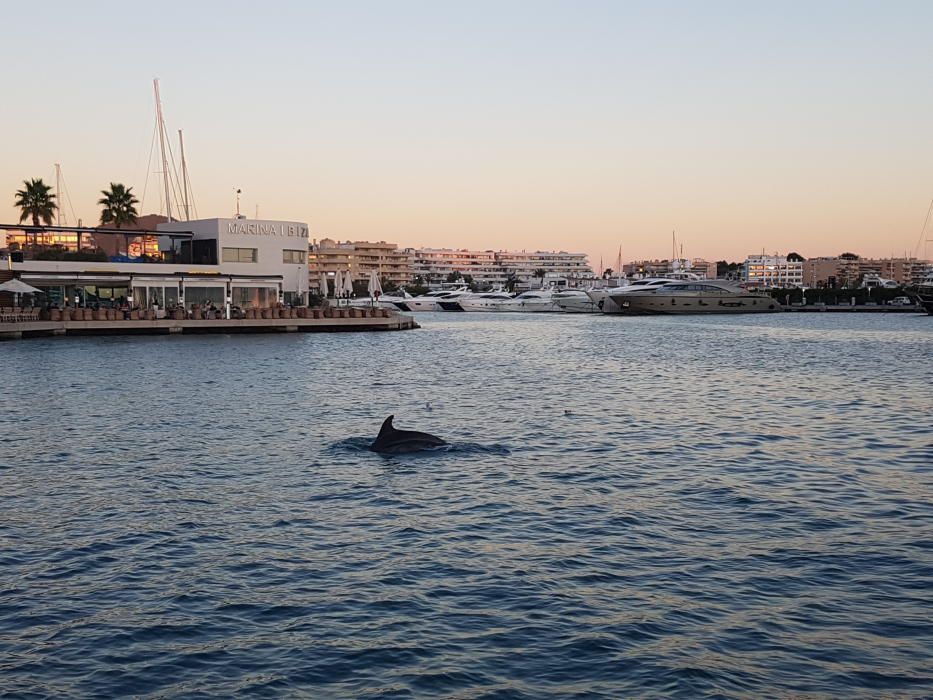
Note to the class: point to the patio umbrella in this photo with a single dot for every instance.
(348, 284)
(17, 287)
(374, 284)
(338, 286)
(323, 284)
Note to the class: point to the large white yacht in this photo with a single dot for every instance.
(603, 297)
(536, 300)
(702, 297)
(428, 302)
(393, 301)
(484, 301)
(575, 301)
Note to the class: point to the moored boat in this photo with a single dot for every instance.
(575, 301)
(703, 297)
(925, 294)
(602, 297)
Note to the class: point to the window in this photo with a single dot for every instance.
(203, 296)
(239, 255)
(293, 256)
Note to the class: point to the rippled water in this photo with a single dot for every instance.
(738, 507)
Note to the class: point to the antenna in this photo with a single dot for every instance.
(184, 175)
(160, 124)
(238, 191)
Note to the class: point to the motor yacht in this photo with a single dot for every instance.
(450, 302)
(393, 302)
(603, 297)
(485, 301)
(575, 301)
(703, 297)
(428, 302)
(535, 300)
(925, 294)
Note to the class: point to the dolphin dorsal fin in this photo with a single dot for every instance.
(386, 428)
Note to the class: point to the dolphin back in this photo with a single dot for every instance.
(393, 441)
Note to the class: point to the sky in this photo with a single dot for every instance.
(581, 125)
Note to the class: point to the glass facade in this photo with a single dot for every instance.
(203, 296)
(256, 297)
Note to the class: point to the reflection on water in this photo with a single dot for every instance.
(739, 506)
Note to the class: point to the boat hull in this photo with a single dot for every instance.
(925, 295)
(677, 305)
(578, 306)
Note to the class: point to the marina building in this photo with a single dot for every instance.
(360, 258)
(768, 271)
(243, 262)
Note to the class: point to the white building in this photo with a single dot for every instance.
(492, 268)
(240, 261)
(767, 271)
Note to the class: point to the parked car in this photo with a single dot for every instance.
(901, 301)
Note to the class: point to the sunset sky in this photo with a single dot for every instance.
(578, 126)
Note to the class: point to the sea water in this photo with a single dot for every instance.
(731, 507)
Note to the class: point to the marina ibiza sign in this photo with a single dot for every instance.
(266, 229)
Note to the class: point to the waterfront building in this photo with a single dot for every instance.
(768, 271)
(661, 268)
(525, 266)
(434, 265)
(219, 261)
(489, 268)
(360, 258)
(848, 270)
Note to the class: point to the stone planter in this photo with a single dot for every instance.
(178, 315)
(55, 315)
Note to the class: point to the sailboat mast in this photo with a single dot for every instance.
(184, 175)
(160, 124)
(58, 194)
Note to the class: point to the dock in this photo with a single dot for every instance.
(336, 323)
(856, 308)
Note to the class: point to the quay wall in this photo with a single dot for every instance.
(32, 329)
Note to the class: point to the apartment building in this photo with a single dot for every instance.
(661, 268)
(492, 268)
(848, 271)
(360, 258)
(522, 265)
(434, 265)
(767, 271)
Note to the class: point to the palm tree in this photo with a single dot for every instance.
(36, 201)
(118, 205)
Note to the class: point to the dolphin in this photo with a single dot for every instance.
(391, 441)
